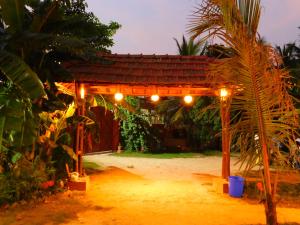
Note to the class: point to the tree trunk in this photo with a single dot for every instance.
(270, 210)
(270, 206)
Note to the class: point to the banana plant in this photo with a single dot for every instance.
(18, 121)
(20, 74)
(54, 126)
(40, 35)
(12, 64)
(36, 37)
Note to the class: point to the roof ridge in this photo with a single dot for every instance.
(152, 55)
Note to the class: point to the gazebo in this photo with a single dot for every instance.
(146, 75)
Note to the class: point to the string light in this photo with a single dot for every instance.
(224, 93)
(119, 96)
(154, 98)
(188, 99)
(82, 92)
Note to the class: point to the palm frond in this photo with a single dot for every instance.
(191, 47)
(261, 100)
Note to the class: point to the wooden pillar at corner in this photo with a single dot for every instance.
(225, 118)
(79, 143)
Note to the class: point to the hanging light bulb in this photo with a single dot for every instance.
(154, 98)
(119, 96)
(82, 92)
(224, 93)
(188, 99)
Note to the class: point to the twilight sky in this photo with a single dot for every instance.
(149, 26)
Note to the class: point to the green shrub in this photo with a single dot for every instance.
(23, 180)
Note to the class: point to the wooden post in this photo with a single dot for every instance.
(80, 111)
(225, 118)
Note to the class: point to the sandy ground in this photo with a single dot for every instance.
(136, 191)
(165, 169)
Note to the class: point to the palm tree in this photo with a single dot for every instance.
(191, 47)
(266, 113)
(174, 112)
(200, 127)
(290, 54)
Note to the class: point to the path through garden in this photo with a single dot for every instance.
(140, 191)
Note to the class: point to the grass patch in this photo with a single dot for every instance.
(91, 165)
(158, 155)
(211, 153)
(219, 153)
(173, 155)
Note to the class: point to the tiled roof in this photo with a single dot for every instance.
(160, 70)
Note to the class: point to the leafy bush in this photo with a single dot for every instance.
(134, 131)
(135, 127)
(23, 180)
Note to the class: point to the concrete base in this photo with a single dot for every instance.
(225, 188)
(81, 184)
(220, 185)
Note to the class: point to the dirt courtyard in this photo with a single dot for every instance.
(140, 191)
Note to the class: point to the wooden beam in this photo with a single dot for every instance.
(141, 90)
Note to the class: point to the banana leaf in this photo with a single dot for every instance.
(12, 12)
(21, 75)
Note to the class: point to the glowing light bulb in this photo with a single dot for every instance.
(154, 98)
(119, 96)
(188, 99)
(82, 92)
(224, 93)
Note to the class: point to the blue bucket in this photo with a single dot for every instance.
(236, 186)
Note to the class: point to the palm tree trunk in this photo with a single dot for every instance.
(270, 207)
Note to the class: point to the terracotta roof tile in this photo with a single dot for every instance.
(170, 70)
